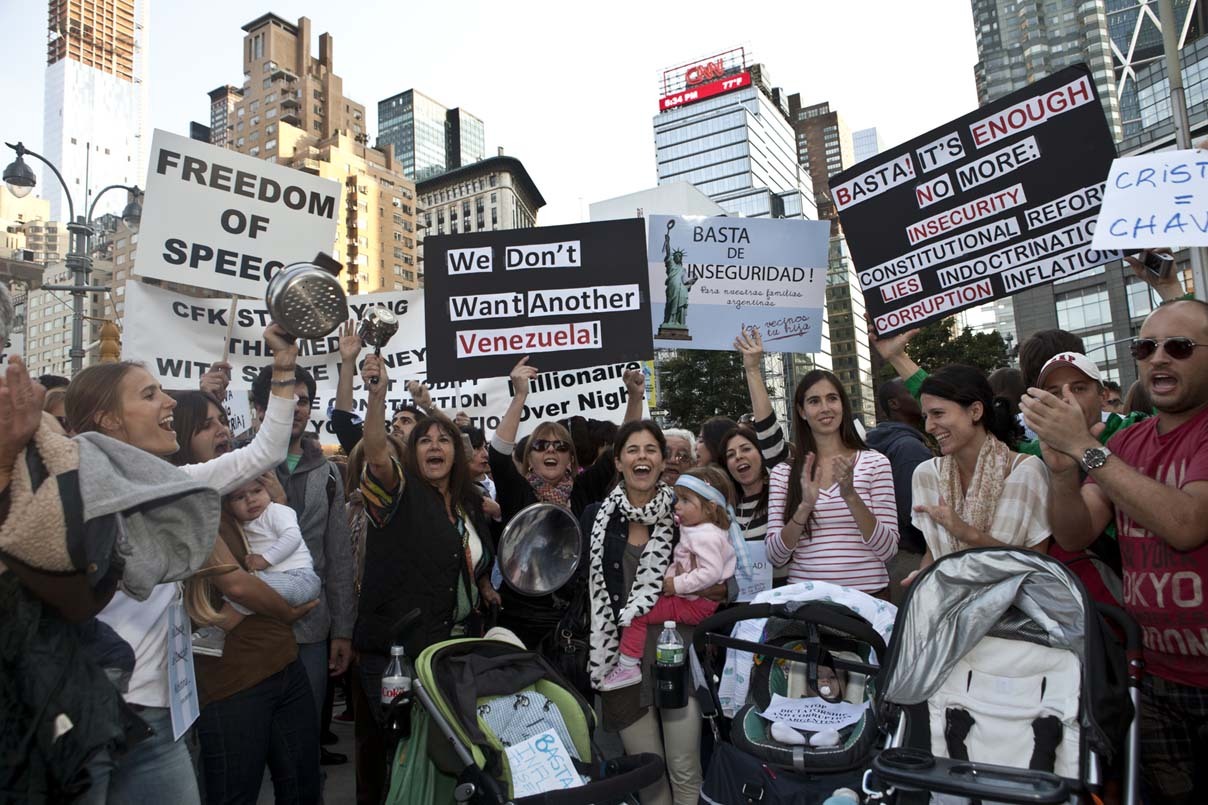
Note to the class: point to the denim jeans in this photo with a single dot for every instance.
(157, 769)
(272, 722)
(314, 659)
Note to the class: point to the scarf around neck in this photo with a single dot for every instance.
(557, 492)
(978, 503)
(606, 622)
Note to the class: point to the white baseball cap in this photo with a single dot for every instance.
(1076, 359)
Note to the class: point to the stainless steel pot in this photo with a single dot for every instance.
(307, 299)
(540, 549)
(377, 328)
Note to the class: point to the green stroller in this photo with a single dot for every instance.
(484, 705)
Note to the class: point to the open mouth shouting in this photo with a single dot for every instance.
(1162, 383)
(166, 423)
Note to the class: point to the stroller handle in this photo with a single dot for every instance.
(804, 611)
(630, 774)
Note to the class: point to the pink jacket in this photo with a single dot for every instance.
(703, 557)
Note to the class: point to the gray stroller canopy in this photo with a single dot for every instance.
(967, 595)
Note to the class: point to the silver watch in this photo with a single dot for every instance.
(1094, 458)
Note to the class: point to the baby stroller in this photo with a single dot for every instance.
(479, 697)
(785, 651)
(1004, 683)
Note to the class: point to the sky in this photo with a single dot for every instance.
(570, 89)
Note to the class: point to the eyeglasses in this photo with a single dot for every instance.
(679, 457)
(541, 445)
(1180, 348)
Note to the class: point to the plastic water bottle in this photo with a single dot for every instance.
(670, 668)
(396, 682)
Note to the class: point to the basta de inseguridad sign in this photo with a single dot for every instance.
(221, 220)
(999, 200)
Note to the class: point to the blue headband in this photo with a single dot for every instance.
(714, 495)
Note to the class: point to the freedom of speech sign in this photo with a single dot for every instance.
(999, 200)
(221, 220)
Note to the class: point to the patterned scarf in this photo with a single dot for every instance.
(647, 583)
(977, 505)
(557, 493)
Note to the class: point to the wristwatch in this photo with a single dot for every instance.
(1094, 458)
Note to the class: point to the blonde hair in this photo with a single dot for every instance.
(200, 593)
(716, 478)
(553, 431)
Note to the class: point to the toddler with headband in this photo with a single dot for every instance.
(710, 550)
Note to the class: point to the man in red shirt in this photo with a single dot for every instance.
(1153, 479)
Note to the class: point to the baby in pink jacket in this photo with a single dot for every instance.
(704, 556)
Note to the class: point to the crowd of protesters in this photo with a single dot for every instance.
(291, 568)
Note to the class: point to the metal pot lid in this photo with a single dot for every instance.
(378, 326)
(306, 300)
(540, 549)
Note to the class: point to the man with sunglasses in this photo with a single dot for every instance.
(1152, 478)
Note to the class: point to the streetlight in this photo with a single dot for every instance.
(20, 179)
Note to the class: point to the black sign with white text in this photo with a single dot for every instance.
(567, 296)
(999, 200)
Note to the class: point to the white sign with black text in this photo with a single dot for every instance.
(218, 219)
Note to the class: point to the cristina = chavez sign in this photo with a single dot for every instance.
(1002, 199)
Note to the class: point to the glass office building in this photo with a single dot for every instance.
(429, 138)
(740, 150)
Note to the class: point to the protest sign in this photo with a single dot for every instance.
(221, 220)
(813, 714)
(176, 337)
(541, 764)
(999, 200)
(711, 277)
(569, 296)
(1155, 200)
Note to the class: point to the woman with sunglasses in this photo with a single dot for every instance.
(550, 474)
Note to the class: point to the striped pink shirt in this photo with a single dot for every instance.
(832, 549)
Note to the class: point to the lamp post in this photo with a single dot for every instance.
(20, 179)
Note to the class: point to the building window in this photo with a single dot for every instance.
(1083, 309)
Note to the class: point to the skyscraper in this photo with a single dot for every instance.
(1136, 41)
(429, 138)
(867, 144)
(97, 117)
(825, 146)
(1020, 42)
(723, 128)
(222, 113)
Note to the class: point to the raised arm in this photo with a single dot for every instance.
(1169, 287)
(749, 344)
(422, 397)
(350, 350)
(216, 379)
(635, 394)
(379, 458)
(893, 351)
(232, 470)
(509, 426)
